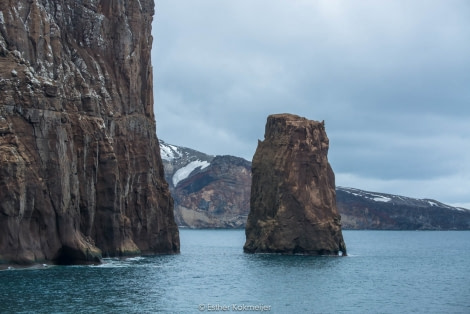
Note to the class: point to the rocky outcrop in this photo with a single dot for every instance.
(293, 204)
(80, 169)
(209, 192)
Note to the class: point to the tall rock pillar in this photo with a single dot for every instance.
(293, 202)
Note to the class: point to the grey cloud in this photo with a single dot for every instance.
(390, 79)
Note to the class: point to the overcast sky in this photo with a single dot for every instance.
(391, 79)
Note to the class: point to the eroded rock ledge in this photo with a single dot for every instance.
(293, 205)
(80, 170)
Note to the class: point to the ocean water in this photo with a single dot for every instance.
(385, 272)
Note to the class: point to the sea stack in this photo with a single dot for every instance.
(293, 201)
(80, 169)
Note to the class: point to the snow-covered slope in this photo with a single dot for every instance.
(169, 152)
(183, 173)
(180, 162)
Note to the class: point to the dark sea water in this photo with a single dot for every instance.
(385, 272)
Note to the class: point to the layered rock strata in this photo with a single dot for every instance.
(293, 204)
(80, 170)
(215, 197)
(209, 191)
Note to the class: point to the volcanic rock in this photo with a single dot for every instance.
(80, 169)
(209, 191)
(215, 197)
(293, 204)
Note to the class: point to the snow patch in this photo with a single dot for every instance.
(169, 152)
(184, 172)
(382, 199)
(355, 194)
(366, 195)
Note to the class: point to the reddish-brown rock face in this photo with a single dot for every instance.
(209, 191)
(216, 197)
(293, 205)
(80, 167)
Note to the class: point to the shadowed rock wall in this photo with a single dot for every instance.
(80, 168)
(293, 205)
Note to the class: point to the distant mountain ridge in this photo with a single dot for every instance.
(214, 192)
(373, 210)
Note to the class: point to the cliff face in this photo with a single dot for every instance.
(216, 197)
(293, 205)
(209, 192)
(80, 168)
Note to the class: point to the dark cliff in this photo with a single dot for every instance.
(293, 203)
(80, 168)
